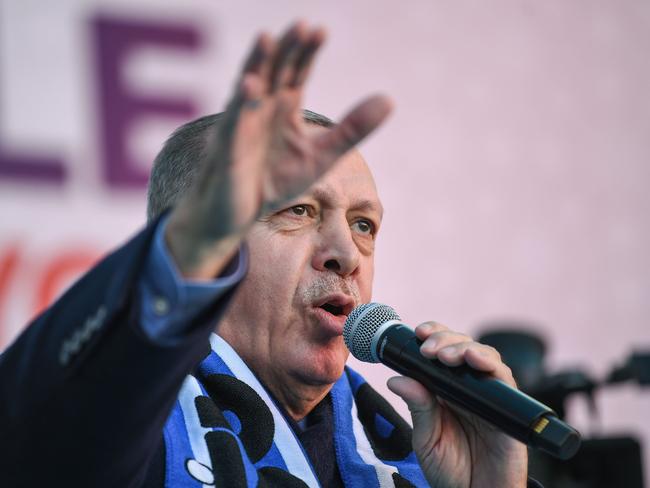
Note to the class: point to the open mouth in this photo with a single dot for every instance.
(337, 305)
(333, 309)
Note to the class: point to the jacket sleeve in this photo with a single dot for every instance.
(84, 393)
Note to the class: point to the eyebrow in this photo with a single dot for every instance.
(369, 205)
(361, 204)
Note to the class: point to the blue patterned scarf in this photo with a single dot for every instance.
(226, 431)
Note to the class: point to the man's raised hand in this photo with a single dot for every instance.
(261, 154)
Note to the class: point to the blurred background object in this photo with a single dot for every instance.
(602, 461)
(514, 171)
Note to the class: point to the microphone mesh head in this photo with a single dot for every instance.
(361, 325)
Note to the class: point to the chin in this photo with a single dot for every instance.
(323, 367)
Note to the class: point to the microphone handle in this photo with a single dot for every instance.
(510, 410)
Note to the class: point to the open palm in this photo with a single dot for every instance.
(261, 153)
(263, 147)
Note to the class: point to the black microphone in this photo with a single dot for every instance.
(375, 333)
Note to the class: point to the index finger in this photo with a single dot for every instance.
(425, 329)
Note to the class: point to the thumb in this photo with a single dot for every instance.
(355, 126)
(425, 410)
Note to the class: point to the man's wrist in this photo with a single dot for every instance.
(169, 300)
(197, 258)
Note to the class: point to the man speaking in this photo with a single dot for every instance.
(208, 350)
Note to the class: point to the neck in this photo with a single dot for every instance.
(297, 398)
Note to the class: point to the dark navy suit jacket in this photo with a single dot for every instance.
(84, 394)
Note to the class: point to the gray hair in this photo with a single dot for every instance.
(179, 161)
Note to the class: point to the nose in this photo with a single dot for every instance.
(336, 250)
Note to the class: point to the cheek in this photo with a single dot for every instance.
(276, 265)
(365, 280)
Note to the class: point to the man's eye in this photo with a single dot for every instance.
(365, 226)
(299, 210)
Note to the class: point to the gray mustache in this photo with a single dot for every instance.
(326, 284)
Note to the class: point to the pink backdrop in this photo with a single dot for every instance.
(513, 171)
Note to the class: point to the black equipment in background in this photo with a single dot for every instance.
(600, 462)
